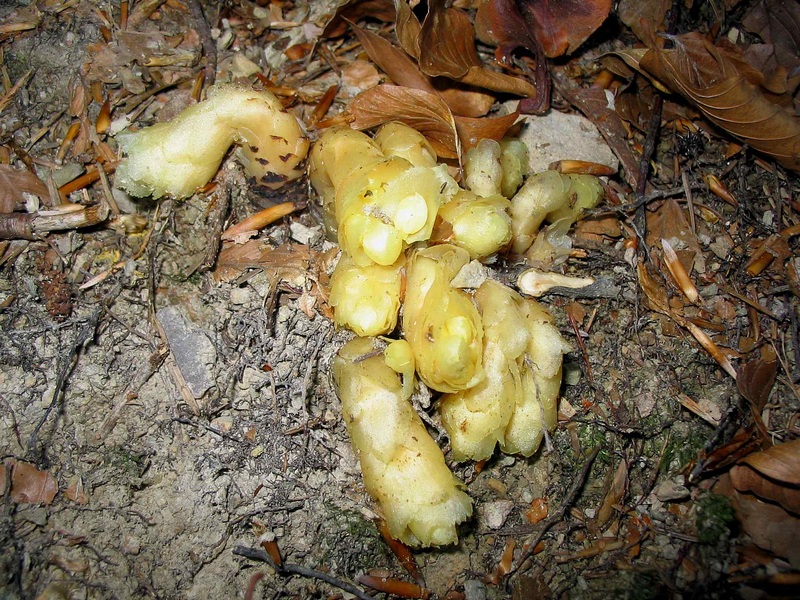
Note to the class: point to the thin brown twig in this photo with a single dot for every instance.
(209, 46)
(287, 569)
(569, 500)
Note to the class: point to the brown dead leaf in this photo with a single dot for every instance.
(404, 71)
(394, 61)
(447, 48)
(558, 26)
(472, 131)
(755, 380)
(780, 462)
(746, 479)
(777, 23)
(424, 111)
(15, 182)
(76, 492)
(28, 484)
(614, 495)
(408, 29)
(446, 42)
(654, 291)
(669, 222)
(718, 85)
(353, 10)
(769, 526)
(286, 262)
(593, 103)
(643, 16)
(563, 25)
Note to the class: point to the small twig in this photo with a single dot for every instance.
(217, 212)
(639, 221)
(209, 47)
(569, 500)
(86, 333)
(31, 226)
(689, 199)
(308, 378)
(287, 569)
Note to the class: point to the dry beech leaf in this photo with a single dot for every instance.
(755, 380)
(778, 24)
(353, 10)
(13, 182)
(559, 26)
(780, 462)
(718, 86)
(446, 42)
(447, 48)
(593, 103)
(614, 495)
(746, 479)
(770, 526)
(642, 16)
(563, 25)
(656, 294)
(424, 111)
(463, 100)
(286, 262)
(28, 484)
(394, 61)
(501, 23)
(472, 131)
(408, 28)
(402, 70)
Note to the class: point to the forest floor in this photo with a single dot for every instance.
(159, 418)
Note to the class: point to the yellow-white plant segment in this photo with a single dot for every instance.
(403, 467)
(178, 157)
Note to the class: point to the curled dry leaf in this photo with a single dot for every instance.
(593, 103)
(643, 16)
(755, 380)
(353, 10)
(559, 26)
(472, 131)
(746, 479)
(427, 113)
(768, 525)
(15, 182)
(424, 111)
(404, 71)
(28, 484)
(777, 23)
(447, 48)
(780, 462)
(722, 89)
(394, 61)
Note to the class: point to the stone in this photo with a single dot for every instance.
(193, 351)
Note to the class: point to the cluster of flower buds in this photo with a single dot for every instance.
(407, 232)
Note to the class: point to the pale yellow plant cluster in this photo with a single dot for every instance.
(407, 230)
(402, 222)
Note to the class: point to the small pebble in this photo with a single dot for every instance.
(474, 590)
(495, 513)
(240, 295)
(672, 490)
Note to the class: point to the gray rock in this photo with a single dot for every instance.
(193, 351)
(474, 590)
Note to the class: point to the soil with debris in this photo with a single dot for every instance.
(179, 422)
